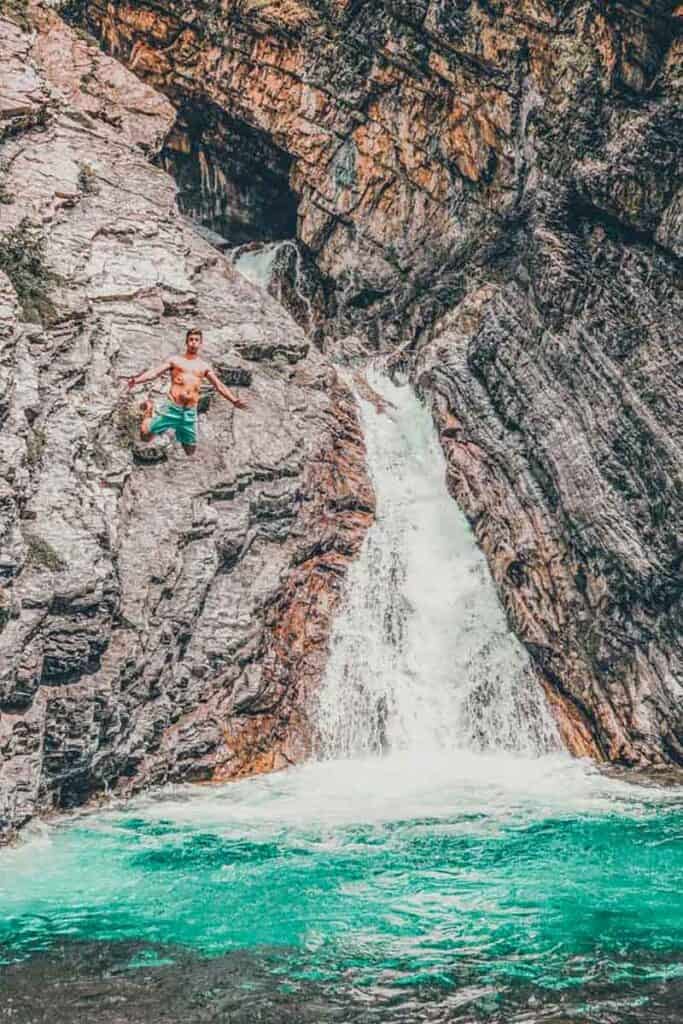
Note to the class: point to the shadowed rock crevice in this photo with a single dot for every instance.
(231, 178)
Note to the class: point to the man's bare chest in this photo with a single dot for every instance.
(187, 373)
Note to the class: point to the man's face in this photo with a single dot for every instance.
(194, 343)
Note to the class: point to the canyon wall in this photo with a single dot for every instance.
(488, 194)
(491, 191)
(161, 618)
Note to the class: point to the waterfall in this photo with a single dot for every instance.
(421, 655)
(264, 267)
(256, 264)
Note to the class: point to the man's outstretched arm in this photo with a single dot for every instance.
(147, 375)
(220, 387)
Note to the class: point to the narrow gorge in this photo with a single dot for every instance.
(485, 196)
(490, 193)
(441, 859)
(370, 710)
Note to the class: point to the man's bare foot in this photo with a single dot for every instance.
(147, 410)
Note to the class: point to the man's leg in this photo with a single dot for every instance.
(186, 432)
(147, 409)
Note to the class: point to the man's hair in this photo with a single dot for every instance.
(194, 330)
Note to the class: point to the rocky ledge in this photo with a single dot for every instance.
(492, 190)
(160, 618)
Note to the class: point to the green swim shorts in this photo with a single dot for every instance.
(182, 419)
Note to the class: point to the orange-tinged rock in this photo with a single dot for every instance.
(523, 146)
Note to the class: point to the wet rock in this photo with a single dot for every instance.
(142, 594)
(492, 193)
(141, 983)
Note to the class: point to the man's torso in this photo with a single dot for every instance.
(186, 379)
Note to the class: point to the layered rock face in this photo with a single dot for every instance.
(494, 191)
(161, 617)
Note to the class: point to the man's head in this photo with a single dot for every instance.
(193, 341)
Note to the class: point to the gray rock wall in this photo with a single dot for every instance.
(494, 189)
(150, 605)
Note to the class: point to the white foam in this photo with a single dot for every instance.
(257, 264)
(421, 657)
(403, 786)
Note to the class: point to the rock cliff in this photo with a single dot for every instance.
(487, 192)
(492, 191)
(160, 617)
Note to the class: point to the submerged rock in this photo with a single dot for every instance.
(109, 982)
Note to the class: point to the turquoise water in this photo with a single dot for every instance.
(488, 873)
(440, 883)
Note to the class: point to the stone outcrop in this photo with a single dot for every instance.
(160, 617)
(493, 188)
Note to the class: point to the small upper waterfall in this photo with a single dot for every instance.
(257, 264)
(421, 655)
(278, 267)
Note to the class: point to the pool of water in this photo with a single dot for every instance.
(474, 874)
(481, 885)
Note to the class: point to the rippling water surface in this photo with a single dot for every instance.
(502, 880)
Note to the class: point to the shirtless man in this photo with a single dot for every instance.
(180, 412)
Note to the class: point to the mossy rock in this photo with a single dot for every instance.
(35, 446)
(151, 451)
(128, 416)
(22, 257)
(42, 555)
(16, 11)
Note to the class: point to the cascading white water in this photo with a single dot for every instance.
(421, 655)
(257, 264)
(260, 266)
